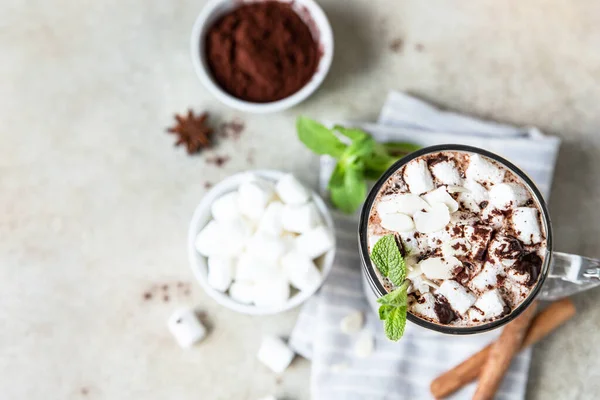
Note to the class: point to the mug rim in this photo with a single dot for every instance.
(371, 274)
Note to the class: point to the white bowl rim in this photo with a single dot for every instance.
(325, 40)
(227, 185)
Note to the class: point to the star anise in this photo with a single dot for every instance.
(193, 131)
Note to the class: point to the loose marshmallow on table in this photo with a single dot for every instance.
(242, 291)
(352, 323)
(433, 220)
(447, 173)
(253, 197)
(408, 204)
(397, 222)
(506, 195)
(526, 224)
(315, 242)
(417, 177)
(439, 268)
(364, 345)
(225, 208)
(300, 219)
(491, 304)
(291, 191)
(270, 222)
(459, 297)
(185, 326)
(272, 291)
(223, 238)
(483, 170)
(275, 354)
(440, 195)
(426, 308)
(220, 272)
(300, 270)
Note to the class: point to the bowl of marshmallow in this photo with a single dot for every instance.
(261, 242)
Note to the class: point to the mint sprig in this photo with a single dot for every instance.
(361, 160)
(394, 306)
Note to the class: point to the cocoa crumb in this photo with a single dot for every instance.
(484, 204)
(396, 45)
(207, 185)
(166, 298)
(232, 129)
(219, 161)
(419, 47)
(165, 287)
(84, 391)
(147, 296)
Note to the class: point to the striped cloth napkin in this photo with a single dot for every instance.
(404, 370)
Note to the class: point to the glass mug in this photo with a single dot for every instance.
(561, 274)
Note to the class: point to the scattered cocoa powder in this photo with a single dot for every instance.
(232, 129)
(261, 52)
(219, 161)
(396, 45)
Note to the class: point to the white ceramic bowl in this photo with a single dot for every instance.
(202, 215)
(216, 8)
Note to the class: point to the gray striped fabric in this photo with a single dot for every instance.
(405, 369)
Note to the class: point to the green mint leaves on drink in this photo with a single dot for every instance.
(393, 306)
(359, 159)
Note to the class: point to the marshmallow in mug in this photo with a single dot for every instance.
(263, 239)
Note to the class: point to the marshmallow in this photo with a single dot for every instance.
(364, 345)
(270, 221)
(479, 236)
(456, 247)
(397, 222)
(417, 177)
(251, 268)
(300, 270)
(220, 272)
(488, 277)
(266, 247)
(300, 219)
(434, 220)
(185, 326)
(505, 250)
(493, 217)
(315, 242)
(436, 239)
(223, 238)
(527, 225)
(440, 195)
(462, 218)
(352, 323)
(506, 195)
(426, 308)
(439, 267)
(225, 208)
(411, 244)
(482, 170)
(291, 191)
(407, 204)
(447, 173)
(515, 276)
(474, 197)
(491, 304)
(253, 197)
(275, 354)
(242, 292)
(272, 291)
(459, 297)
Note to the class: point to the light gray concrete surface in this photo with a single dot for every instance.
(95, 200)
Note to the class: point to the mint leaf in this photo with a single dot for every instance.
(388, 259)
(349, 193)
(318, 138)
(392, 311)
(395, 322)
(351, 133)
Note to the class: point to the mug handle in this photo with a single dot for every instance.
(570, 274)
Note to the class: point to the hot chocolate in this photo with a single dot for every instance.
(470, 233)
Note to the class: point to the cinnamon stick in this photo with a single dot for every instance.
(544, 323)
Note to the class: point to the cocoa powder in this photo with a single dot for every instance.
(261, 52)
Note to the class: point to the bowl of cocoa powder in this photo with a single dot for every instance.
(262, 56)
